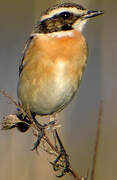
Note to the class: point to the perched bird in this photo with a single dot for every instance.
(54, 59)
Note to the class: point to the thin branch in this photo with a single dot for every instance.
(9, 97)
(50, 144)
(19, 106)
(97, 141)
(73, 173)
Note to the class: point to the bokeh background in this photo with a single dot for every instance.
(79, 119)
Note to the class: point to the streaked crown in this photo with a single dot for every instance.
(64, 17)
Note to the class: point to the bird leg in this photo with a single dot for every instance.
(41, 132)
(62, 161)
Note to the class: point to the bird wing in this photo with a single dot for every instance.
(24, 53)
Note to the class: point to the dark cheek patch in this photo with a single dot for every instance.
(54, 25)
(66, 27)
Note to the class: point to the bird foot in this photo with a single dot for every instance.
(61, 163)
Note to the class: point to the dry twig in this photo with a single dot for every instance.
(23, 120)
(97, 141)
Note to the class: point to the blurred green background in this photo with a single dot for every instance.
(79, 119)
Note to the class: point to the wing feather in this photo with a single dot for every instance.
(24, 53)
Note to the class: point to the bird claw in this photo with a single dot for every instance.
(58, 167)
(62, 160)
(61, 164)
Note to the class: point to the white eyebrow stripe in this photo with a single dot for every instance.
(60, 10)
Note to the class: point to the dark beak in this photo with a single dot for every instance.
(91, 14)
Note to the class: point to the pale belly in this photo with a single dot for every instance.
(47, 94)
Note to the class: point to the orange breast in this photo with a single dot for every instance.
(45, 51)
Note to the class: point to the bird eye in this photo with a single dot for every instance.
(65, 15)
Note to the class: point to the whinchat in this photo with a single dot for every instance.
(54, 59)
